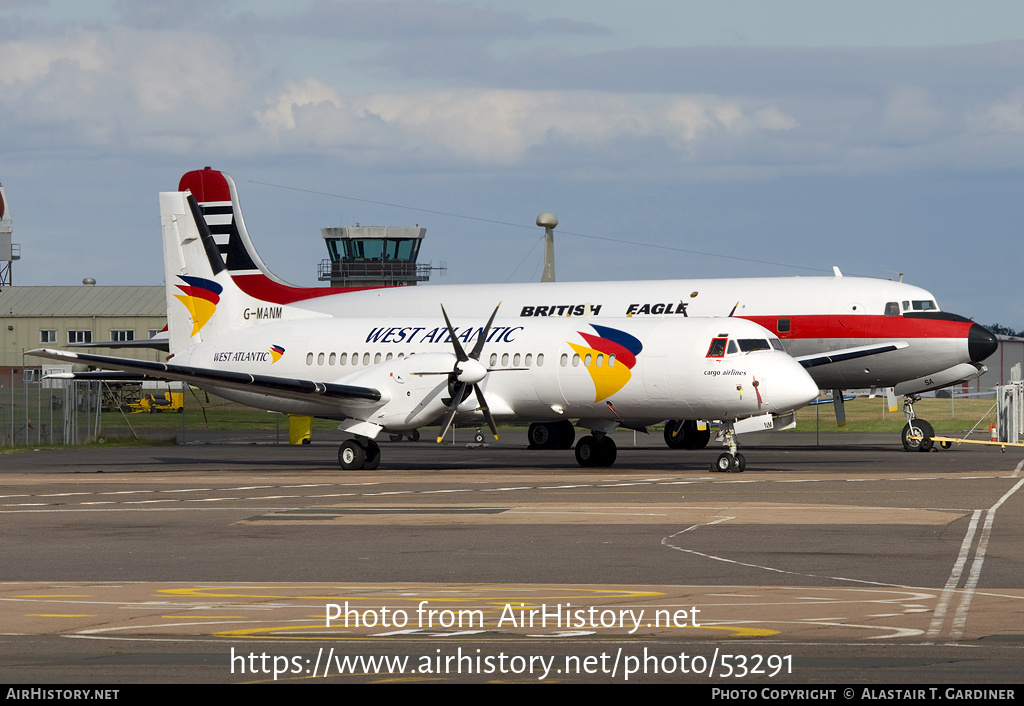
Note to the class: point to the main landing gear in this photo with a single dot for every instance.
(551, 435)
(359, 454)
(596, 451)
(916, 427)
(684, 434)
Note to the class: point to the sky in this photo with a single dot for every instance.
(671, 139)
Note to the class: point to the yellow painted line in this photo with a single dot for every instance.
(270, 633)
(422, 593)
(203, 617)
(58, 595)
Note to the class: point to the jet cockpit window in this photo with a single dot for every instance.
(732, 348)
(717, 349)
(892, 309)
(777, 345)
(920, 305)
(754, 344)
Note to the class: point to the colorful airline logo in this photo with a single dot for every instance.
(275, 353)
(200, 296)
(617, 350)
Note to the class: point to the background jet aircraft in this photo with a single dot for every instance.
(850, 332)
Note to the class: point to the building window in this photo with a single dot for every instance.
(80, 336)
(154, 331)
(47, 335)
(122, 334)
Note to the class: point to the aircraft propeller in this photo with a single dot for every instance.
(468, 371)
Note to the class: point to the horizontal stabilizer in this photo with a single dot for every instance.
(103, 376)
(155, 343)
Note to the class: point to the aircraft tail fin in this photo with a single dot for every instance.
(217, 197)
(203, 301)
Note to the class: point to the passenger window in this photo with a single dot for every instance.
(782, 326)
(717, 349)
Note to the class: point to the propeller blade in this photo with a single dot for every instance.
(460, 353)
(452, 408)
(479, 347)
(486, 410)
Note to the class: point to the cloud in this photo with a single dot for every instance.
(416, 21)
(503, 127)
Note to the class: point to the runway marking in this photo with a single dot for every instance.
(604, 483)
(960, 620)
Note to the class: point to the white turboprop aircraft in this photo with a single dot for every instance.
(850, 332)
(380, 374)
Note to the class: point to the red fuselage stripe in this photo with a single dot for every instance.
(862, 326)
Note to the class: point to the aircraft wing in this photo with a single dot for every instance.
(290, 388)
(844, 354)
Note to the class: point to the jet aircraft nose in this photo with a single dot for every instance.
(981, 343)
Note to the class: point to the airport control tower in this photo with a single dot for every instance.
(374, 256)
(9, 252)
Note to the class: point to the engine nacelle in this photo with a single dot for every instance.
(415, 389)
(944, 378)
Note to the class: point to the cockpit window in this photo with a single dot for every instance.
(920, 305)
(892, 309)
(732, 348)
(777, 345)
(717, 349)
(754, 344)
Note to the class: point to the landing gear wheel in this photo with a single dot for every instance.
(726, 463)
(918, 427)
(414, 435)
(566, 434)
(551, 435)
(607, 451)
(687, 435)
(395, 437)
(478, 437)
(352, 456)
(587, 452)
(372, 456)
(539, 436)
(675, 434)
(741, 463)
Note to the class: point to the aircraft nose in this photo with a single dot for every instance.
(981, 343)
(796, 387)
